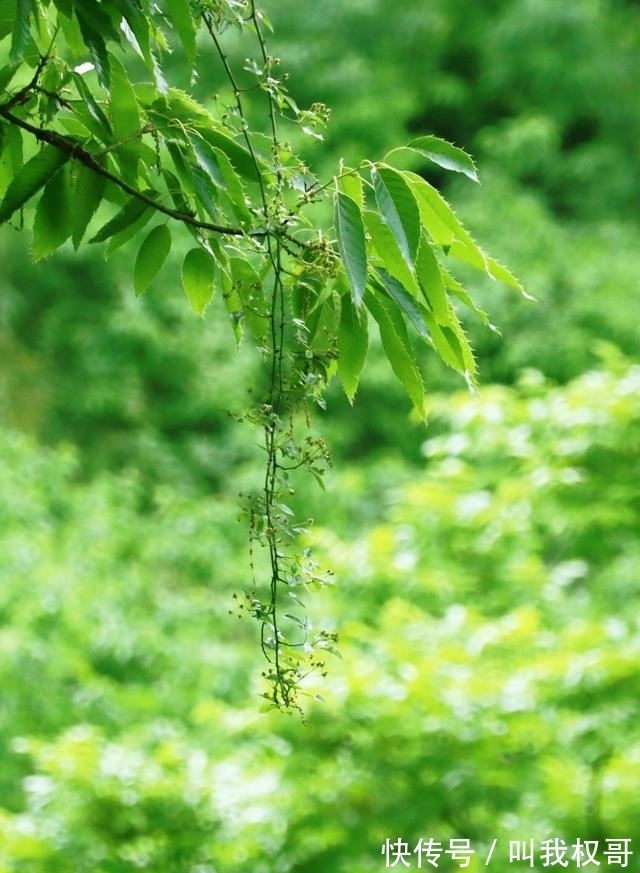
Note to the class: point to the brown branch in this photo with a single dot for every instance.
(75, 151)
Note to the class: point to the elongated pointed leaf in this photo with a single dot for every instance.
(353, 341)
(130, 212)
(405, 302)
(198, 275)
(52, 222)
(398, 209)
(151, 256)
(431, 282)
(351, 244)
(397, 347)
(31, 178)
(445, 155)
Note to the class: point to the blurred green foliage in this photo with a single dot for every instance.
(488, 569)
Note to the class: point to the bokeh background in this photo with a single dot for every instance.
(487, 567)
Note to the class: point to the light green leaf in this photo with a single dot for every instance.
(397, 347)
(198, 274)
(151, 256)
(350, 183)
(456, 288)
(353, 341)
(52, 222)
(130, 212)
(398, 209)
(351, 244)
(25, 10)
(431, 282)
(33, 176)
(240, 157)
(445, 155)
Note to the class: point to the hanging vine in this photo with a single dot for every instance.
(84, 132)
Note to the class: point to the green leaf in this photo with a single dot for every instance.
(351, 244)
(233, 188)
(95, 25)
(350, 183)
(151, 256)
(387, 248)
(7, 73)
(101, 126)
(405, 302)
(184, 24)
(431, 282)
(456, 288)
(240, 157)
(198, 274)
(247, 285)
(25, 9)
(33, 176)
(130, 212)
(397, 347)
(353, 341)
(125, 120)
(52, 222)
(88, 195)
(445, 155)
(398, 209)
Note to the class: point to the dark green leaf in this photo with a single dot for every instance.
(198, 275)
(405, 301)
(31, 178)
(398, 209)
(351, 244)
(353, 341)
(102, 127)
(95, 25)
(240, 157)
(151, 256)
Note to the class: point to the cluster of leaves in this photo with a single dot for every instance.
(91, 121)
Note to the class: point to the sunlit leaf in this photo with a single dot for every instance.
(398, 209)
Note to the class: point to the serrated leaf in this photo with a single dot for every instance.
(404, 301)
(25, 10)
(151, 256)
(52, 221)
(233, 188)
(130, 212)
(351, 244)
(456, 288)
(397, 347)
(431, 282)
(240, 157)
(353, 341)
(33, 176)
(398, 209)
(88, 196)
(198, 275)
(445, 155)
